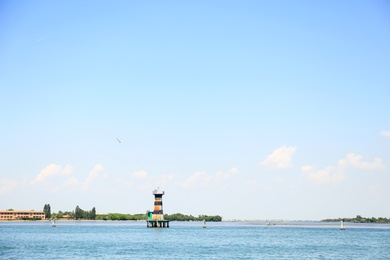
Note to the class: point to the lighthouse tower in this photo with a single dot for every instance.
(158, 205)
(156, 217)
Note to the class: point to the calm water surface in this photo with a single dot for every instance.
(237, 240)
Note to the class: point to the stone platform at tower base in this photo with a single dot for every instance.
(157, 223)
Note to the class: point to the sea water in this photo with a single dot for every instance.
(188, 240)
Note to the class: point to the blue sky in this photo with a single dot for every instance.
(249, 110)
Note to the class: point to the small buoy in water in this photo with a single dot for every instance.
(53, 222)
(342, 225)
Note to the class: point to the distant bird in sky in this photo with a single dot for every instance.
(119, 140)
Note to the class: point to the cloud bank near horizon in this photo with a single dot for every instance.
(280, 158)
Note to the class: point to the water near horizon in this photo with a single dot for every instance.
(188, 240)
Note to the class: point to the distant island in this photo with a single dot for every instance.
(359, 219)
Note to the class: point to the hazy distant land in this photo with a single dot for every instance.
(360, 219)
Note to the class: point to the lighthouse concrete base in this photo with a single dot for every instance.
(157, 223)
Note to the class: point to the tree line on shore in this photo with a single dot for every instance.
(170, 217)
(360, 219)
(79, 213)
(182, 217)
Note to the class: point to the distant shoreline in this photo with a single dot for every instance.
(265, 222)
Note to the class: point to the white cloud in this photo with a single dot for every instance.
(202, 178)
(355, 160)
(385, 133)
(307, 168)
(280, 158)
(198, 178)
(329, 175)
(233, 170)
(46, 175)
(337, 174)
(227, 175)
(51, 170)
(55, 178)
(140, 175)
(92, 176)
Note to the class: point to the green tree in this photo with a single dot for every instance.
(85, 215)
(78, 213)
(93, 213)
(60, 214)
(47, 210)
